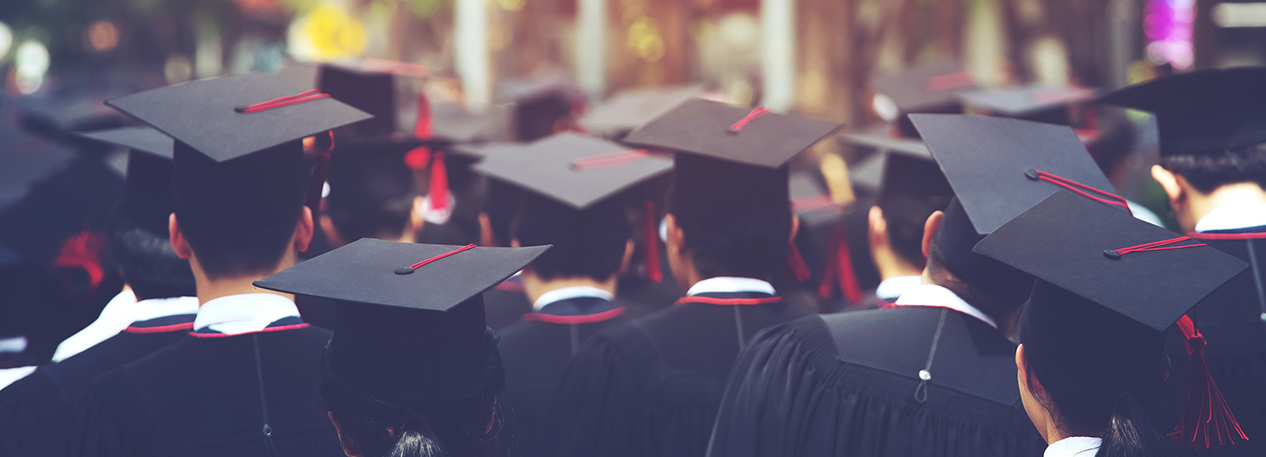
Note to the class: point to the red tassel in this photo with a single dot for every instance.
(848, 278)
(653, 273)
(1207, 421)
(795, 261)
(418, 158)
(438, 192)
(83, 251)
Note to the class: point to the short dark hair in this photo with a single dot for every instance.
(453, 426)
(997, 308)
(905, 235)
(724, 250)
(1209, 171)
(240, 216)
(589, 243)
(147, 261)
(501, 206)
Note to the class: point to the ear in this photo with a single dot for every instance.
(178, 241)
(515, 243)
(929, 231)
(486, 237)
(795, 228)
(628, 257)
(878, 233)
(339, 431)
(417, 217)
(1028, 383)
(676, 239)
(304, 230)
(1170, 183)
(331, 233)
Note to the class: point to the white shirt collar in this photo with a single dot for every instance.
(934, 295)
(891, 288)
(244, 313)
(155, 308)
(730, 284)
(1236, 215)
(1074, 446)
(115, 317)
(568, 293)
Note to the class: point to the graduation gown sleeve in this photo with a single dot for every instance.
(100, 427)
(789, 394)
(29, 401)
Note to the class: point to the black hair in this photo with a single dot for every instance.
(501, 206)
(386, 222)
(996, 307)
(735, 218)
(371, 193)
(1097, 369)
(1209, 171)
(464, 425)
(147, 261)
(239, 217)
(905, 231)
(588, 243)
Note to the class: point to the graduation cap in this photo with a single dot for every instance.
(1037, 102)
(410, 316)
(811, 200)
(999, 168)
(370, 181)
(147, 200)
(368, 85)
(238, 157)
(932, 87)
(1089, 258)
(880, 139)
(913, 188)
(628, 109)
(1204, 111)
(867, 174)
(575, 170)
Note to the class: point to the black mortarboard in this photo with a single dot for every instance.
(932, 87)
(1083, 247)
(299, 74)
(880, 138)
(867, 174)
(732, 133)
(238, 158)
(912, 189)
(410, 316)
(999, 168)
(627, 109)
(995, 165)
(370, 179)
(811, 200)
(1205, 111)
(368, 85)
(64, 214)
(148, 198)
(26, 159)
(538, 115)
(1037, 102)
(456, 125)
(575, 170)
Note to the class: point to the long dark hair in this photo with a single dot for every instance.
(1098, 370)
(462, 425)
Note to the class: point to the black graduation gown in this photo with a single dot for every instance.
(846, 385)
(35, 410)
(535, 352)
(506, 303)
(1233, 322)
(651, 387)
(202, 396)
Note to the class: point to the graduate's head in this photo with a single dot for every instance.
(594, 243)
(372, 194)
(1212, 127)
(728, 218)
(147, 261)
(1092, 358)
(500, 207)
(729, 206)
(239, 174)
(996, 289)
(912, 189)
(405, 373)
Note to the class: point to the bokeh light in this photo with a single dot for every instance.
(6, 38)
(329, 32)
(177, 68)
(32, 63)
(101, 36)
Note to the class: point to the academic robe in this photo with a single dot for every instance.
(849, 385)
(211, 395)
(1233, 322)
(535, 352)
(506, 303)
(651, 387)
(35, 411)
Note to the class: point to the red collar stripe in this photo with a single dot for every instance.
(573, 320)
(160, 328)
(728, 301)
(280, 328)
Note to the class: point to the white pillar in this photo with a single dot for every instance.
(591, 46)
(778, 36)
(470, 38)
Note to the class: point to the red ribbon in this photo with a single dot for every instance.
(839, 269)
(755, 114)
(949, 81)
(653, 272)
(795, 261)
(439, 183)
(1207, 421)
(441, 256)
(288, 100)
(1079, 188)
(1161, 245)
(83, 251)
(613, 159)
(420, 156)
